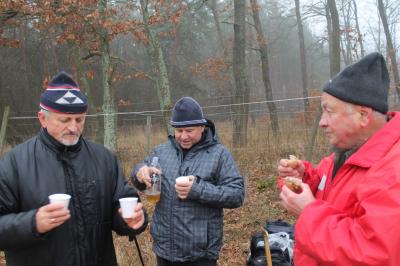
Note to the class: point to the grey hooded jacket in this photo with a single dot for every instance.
(191, 229)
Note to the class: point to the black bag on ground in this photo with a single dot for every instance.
(257, 250)
(281, 240)
(279, 226)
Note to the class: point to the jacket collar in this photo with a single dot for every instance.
(55, 145)
(379, 144)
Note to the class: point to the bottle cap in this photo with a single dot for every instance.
(154, 160)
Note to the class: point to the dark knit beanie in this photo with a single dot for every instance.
(365, 83)
(62, 95)
(187, 112)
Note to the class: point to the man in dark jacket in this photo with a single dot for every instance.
(60, 160)
(187, 224)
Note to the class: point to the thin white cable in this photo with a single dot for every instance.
(159, 111)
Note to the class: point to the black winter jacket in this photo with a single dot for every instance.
(90, 173)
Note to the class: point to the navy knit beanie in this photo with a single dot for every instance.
(63, 95)
(365, 83)
(187, 112)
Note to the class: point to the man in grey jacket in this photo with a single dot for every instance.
(187, 223)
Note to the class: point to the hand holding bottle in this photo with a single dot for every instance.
(154, 173)
(144, 175)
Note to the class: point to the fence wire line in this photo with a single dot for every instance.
(158, 111)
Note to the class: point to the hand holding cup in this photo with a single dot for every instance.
(128, 206)
(135, 214)
(54, 214)
(183, 185)
(60, 199)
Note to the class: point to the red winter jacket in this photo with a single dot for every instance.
(356, 217)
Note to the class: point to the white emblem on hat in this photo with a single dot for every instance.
(69, 98)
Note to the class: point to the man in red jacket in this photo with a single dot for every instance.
(349, 205)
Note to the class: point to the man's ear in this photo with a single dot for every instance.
(42, 119)
(365, 115)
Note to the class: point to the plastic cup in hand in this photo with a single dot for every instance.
(182, 180)
(60, 198)
(128, 206)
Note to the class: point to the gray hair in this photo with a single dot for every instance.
(45, 112)
(377, 115)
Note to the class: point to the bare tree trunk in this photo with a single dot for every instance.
(85, 87)
(303, 62)
(334, 61)
(347, 55)
(263, 48)
(227, 60)
(334, 45)
(343, 52)
(390, 49)
(27, 65)
(359, 35)
(109, 107)
(239, 72)
(213, 6)
(159, 68)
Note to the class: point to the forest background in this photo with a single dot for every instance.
(255, 66)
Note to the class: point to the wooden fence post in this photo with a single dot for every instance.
(4, 127)
(148, 134)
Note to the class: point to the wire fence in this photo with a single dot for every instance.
(221, 110)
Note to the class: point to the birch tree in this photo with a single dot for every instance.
(159, 67)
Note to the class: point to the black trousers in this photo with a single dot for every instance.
(201, 262)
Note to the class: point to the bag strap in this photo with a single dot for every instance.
(267, 248)
(131, 238)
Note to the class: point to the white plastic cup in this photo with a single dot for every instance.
(60, 198)
(128, 206)
(182, 180)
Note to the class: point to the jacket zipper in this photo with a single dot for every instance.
(73, 209)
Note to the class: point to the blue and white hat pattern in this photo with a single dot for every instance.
(63, 95)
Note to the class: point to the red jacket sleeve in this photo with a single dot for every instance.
(368, 234)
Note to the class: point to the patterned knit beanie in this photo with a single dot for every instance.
(62, 95)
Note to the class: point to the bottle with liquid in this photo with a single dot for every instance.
(153, 193)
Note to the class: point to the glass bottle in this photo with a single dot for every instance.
(153, 193)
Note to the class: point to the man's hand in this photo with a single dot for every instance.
(295, 203)
(144, 174)
(137, 220)
(183, 188)
(51, 216)
(284, 169)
